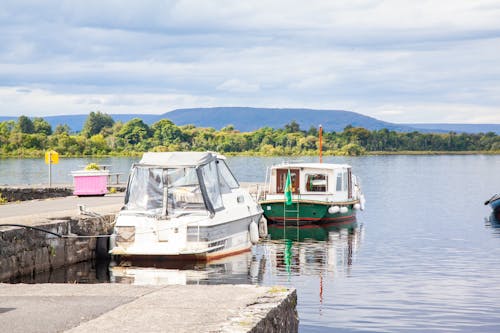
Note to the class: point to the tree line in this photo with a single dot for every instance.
(101, 135)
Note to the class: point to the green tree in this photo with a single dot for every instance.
(134, 132)
(292, 127)
(165, 132)
(25, 125)
(41, 126)
(95, 122)
(60, 129)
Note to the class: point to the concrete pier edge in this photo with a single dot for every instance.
(78, 308)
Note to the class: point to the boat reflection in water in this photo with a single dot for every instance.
(493, 222)
(229, 270)
(313, 249)
(289, 251)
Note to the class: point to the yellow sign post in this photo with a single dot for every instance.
(51, 157)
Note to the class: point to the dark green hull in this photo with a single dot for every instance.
(305, 212)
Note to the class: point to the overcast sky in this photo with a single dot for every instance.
(399, 61)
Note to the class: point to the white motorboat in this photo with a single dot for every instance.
(184, 205)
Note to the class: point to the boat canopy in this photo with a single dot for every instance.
(178, 182)
(178, 159)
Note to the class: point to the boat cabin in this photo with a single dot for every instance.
(312, 180)
(169, 184)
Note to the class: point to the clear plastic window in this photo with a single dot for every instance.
(226, 178)
(145, 190)
(149, 188)
(211, 181)
(184, 192)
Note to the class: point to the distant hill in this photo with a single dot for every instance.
(249, 119)
(459, 128)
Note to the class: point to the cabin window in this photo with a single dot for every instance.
(344, 181)
(226, 178)
(338, 187)
(281, 180)
(316, 182)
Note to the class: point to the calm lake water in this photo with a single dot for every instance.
(421, 257)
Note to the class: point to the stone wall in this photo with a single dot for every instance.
(275, 312)
(25, 252)
(12, 194)
(29, 193)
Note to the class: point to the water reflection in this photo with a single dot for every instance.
(305, 250)
(234, 269)
(312, 249)
(83, 272)
(291, 251)
(493, 222)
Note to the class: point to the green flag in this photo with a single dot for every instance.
(288, 189)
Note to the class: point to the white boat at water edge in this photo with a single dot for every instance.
(318, 193)
(184, 205)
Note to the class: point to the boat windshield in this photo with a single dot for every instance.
(161, 191)
(226, 178)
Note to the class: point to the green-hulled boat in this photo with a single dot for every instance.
(311, 193)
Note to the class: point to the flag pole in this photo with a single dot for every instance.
(320, 144)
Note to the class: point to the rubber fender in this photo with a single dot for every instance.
(253, 229)
(263, 227)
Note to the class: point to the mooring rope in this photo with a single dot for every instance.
(51, 232)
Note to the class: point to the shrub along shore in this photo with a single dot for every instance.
(101, 136)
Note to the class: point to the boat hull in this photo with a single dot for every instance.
(195, 243)
(307, 212)
(495, 203)
(149, 260)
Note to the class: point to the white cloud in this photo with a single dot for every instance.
(21, 101)
(436, 113)
(238, 86)
(398, 60)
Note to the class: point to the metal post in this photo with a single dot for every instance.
(50, 169)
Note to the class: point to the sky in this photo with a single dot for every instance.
(402, 61)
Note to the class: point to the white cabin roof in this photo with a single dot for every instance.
(319, 166)
(178, 159)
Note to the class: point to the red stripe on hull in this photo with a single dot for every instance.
(199, 257)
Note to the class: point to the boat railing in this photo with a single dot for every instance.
(263, 189)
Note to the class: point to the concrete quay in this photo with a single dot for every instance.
(127, 308)
(114, 307)
(39, 212)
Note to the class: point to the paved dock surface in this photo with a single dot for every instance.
(33, 211)
(128, 308)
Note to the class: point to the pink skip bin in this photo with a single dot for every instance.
(91, 182)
